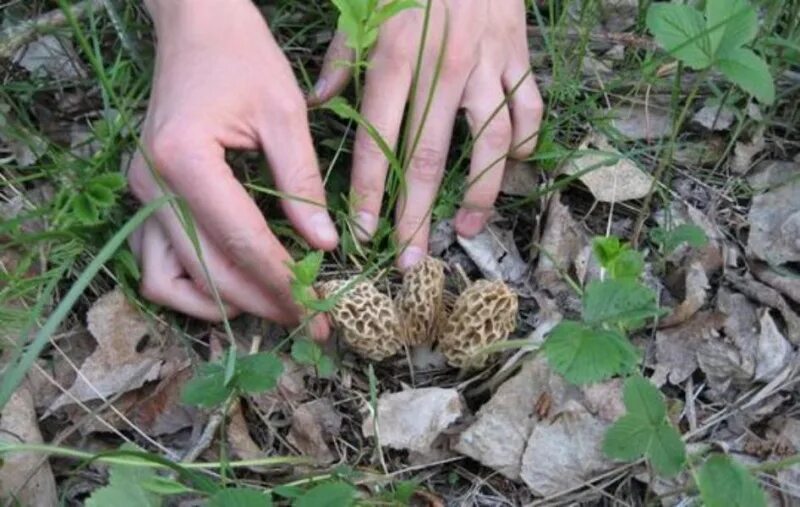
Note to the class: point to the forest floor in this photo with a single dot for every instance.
(660, 368)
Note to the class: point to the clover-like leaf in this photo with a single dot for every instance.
(725, 483)
(583, 354)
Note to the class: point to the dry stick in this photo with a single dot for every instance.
(15, 36)
(626, 39)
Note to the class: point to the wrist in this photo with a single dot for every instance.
(168, 15)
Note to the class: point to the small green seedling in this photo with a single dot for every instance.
(597, 347)
(670, 239)
(644, 430)
(216, 382)
(309, 353)
(715, 39)
(725, 483)
(305, 272)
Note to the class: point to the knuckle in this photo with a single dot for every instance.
(304, 182)
(497, 134)
(458, 60)
(167, 146)
(245, 245)
(366, 148)
(426, 165)
(290, 108)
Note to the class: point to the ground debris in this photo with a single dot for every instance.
(635, 121)
(494, 252)
(786, 282)
(609, 175)
(415, 429)
(124, 359)
(519, 178)
(314, 425)
(715, 116)
(562, 246)
(774, 216)
(539, 429)
(24, 476)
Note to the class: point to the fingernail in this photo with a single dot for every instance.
(366, 224)
(409, 257)
(320, 88)
(323, 228)
(469, 223)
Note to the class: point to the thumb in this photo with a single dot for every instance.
(335, 72)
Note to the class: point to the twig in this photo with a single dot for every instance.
(15, 36)
(626, 39)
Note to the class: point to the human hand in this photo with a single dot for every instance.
(486, 57)
(221, 82)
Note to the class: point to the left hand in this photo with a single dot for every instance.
(485, 58)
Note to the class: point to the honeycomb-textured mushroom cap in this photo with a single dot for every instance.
(419, 302)
(366, 318)
(485, 313)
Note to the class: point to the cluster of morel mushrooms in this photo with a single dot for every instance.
(376, 327)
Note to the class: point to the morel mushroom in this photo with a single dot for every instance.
(485, 313)
(366, 318)
(419, 302)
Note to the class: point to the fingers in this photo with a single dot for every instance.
(164, 281)
(235, 285)
(335, 71)
(490, 124)
(286, 139)
(526, 106)
(384, 99)
(426, 168)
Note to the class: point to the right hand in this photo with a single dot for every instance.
(221, 81)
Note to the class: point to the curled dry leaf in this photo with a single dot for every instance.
(745, 151)
(23, 474)
(676, 347)
(494, 252)
(417, 429)
(53, 56)
(609, 175)
(485, 313)
(443, 235)
(770, 297)
(314, 425)
(562, 243)
(788, 283)
(116, 365)
(367, 319)
(696, 288)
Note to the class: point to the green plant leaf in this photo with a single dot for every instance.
(671, 239)
(306, 352)
(164, 486)
(618, 302)
(584, 355)
(112, 181)
(240, 497)
(207, 388)
(606, 249)
(730, 23)
(749, 71)
(645, 431)
(84, 209)
(725, 483)
(305, 270)
(258, 372)
(628, 265)
(331, 494)
(125, 488)
(391, 9)
(100, 194)
(680, 29)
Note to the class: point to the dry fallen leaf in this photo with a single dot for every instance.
(51, 55)
(564, 451)
(443, 234)
(290, 392)
(116, 366)
(636, 121)
(745, 151)
(768, 296)
(562, 243)
(609, 175)
(774, 216)
(774, 352)
(23, 474)
(314, 424)
(715, 117)
(788, 284)
(494, 252)
(676, 347)
(696, 288)
(433, 410)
